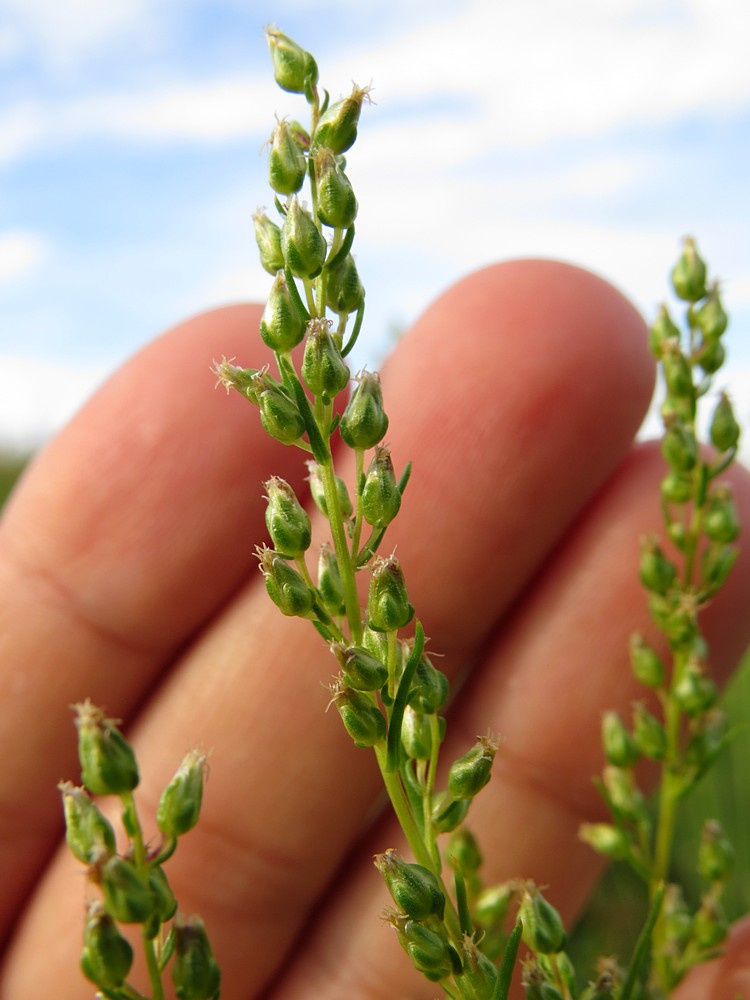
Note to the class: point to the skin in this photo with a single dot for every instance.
(128, 575)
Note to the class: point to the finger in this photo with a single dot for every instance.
(250, 687)
(118, 545)
(546, 678)
(726, 978)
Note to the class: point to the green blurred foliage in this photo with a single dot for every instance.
(11, 467)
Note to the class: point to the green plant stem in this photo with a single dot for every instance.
(141, 863)
(346, 569)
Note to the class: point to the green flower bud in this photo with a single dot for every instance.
(427, 948)
(364, 421)
(108, 765)
(416, 735)
(362, 670)
(388, 607)
(619, 746)
(268, 238)
(646, 663)
(624, 795)
(127, 897)
(430, 688)
(337, 206)
(165, 901)
(294, 69)
(302, 243)
(679, 447)
(677, 374)
(287, 166)
(414, 888)
(448, 812)
(180, 802)
(605, 839)
(195, 974)
(345, 292)
(676, 616)
(717, 561)
(88, 833)
(709, 738)
(716, 855)
(725, 431)
(287, 522)
(317, 490)
(657, 573)
(285, 586)
(711, 356)
(282, 325)
(711, 319)
(469, 774)
(536, 984)
(233, 377)
(694, 692)
(278, 413)
(649, 734)
(721, 523)
(677, 487)
(710, 924)
(492, 904)
(463, 851)
(107, 956)
(362, 719)
(323, 369)
(479, 974)
(677, 921)
(330, 587)
(543, 930)
(337, 128)
(663, 334)
(689, 273)
(381, 499)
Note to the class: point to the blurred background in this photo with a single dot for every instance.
(130, 161)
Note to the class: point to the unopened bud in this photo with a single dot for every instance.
(662, 334)
(710, 924)
(416, 735)
(345, 292)
(388, 607)
(336, 204)
(492, 905)
(694, 691)
(624, 795)
(165, 901)
(318, 493)
(414, 888)
(330, 587)
(463, 851)
(108, 765)
(286, 161)
(649, 734)
(725, 431)
(302, 243)
(362, 670)
(469, 774)
(127, 897)
(711, 356)
(427, 948)
(195, 974)
(278, 413)
(479, 974)
(285, 586)
(619, 746)
(88, 832)
(430, 687)
(646, 663)
(282, 325)
(678, 375)
(337, 128)
(294, 69)
(721, 523)
(268, 238)
(711, 319)
(287, 521)
(107, 955)
(323, 369)
(381, 499)
(716, 855)
(605, 839)
(689, 273)
(543, 930)
(448, 812)
(364, 421)
(657, 573)
(678, 446)
(362, 719)
(677, 487)
(180, 802)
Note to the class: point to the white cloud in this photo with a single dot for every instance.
(20, 253)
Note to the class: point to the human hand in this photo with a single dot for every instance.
(127, 575)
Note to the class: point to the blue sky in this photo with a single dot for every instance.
(599, 131)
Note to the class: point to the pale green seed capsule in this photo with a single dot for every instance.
(88, 832)
(430, 687)
(678, 375)
(694, 692)
(469, 774)
(710, 924)
(605, 839)
(543, 929)
(414, 888)
(317, 490)
(416, 735)
(388, 607)
(278, 413)
(337, 206)
(362, 670)
(716, 856)
(711, 319)
(624, 795)
(362, 719)
(721, 522)
(677, 487)
(287, 166)
(381, 498)
(711, 356)
(285, 586)
(492, 904)
(663, 334)
(428, 949)
(649, 734)
(108, 764)
(647, 665)
(679, 447)
(689, 273)
(195, 974)
(323, 369)
(282, 325)
(716, 565)
(165, 901)
(479, 974)
(448, 812)
(302, 243)
(330, 587)
(619, 746)
(725, 431)
(180, 802)
(463, 851)
(294, 69)
(107, 955)
(287, 521)
(345, 291)
(268, 238)
(337, 128)
(656, 572)
(364, 421)
(127, 897)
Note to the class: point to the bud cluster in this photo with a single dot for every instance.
(133, 886)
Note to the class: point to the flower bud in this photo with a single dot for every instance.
(282, 325)
(543, 930)
(463, 851)
(427, 948)
(678, 924)
(711, 356)
(294, 69)
(362, 719)
(416, 735)
(362, 670)
(711, 319)
(624, 795)
(646, 663)
(448, 812)
(677, 487)
(721, 523)
(127, 897)
(677, 374)
(195, 974)
(710, 924)
(662, 333)
(469, 774)
(337, 128)
(678, 446)
(479, 973)
(689, 273)
(414, 888)
(657, 573)
(492, 905)
(717, 561)
(364, 421)
(619, 747)
(323, 369)
(725, 431)
(716, 855)
(165, 901)
(605, 839)
(88, 833)
(380, 494)
(285, 586)
(317, 490)
(430, 687)
(345, 292)
(107, 955)
(337, 206)
(286, 161)
(649, 734)
(330, 587)
(180, 802)
(278, 413)
(302, 243)
(287, 522)
(388, 607)
(694, 692)
(268, 238)
(108, 765)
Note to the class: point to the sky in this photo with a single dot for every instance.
(131, 137)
